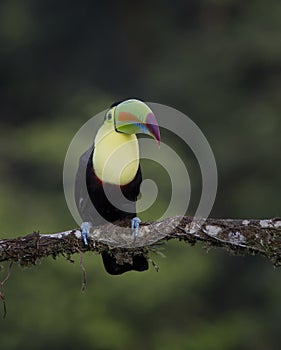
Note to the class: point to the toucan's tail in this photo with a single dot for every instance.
(139, 263)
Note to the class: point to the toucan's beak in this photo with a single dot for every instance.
(134, 116)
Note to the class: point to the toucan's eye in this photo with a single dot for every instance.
(109, 116)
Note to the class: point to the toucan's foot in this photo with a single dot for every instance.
(135, 223)
(85, 231)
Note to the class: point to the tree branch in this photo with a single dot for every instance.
(261, 237)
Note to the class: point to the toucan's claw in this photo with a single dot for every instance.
(135, 223)
(85, 231)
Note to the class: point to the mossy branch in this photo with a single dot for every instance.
(261, 237)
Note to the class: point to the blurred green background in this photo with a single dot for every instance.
(218, 62)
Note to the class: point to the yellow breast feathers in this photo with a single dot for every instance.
(116, 156)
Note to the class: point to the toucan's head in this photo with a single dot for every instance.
(132, 117)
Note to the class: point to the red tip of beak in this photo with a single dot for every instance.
(153, 127)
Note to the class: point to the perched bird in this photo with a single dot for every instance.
(111, 170)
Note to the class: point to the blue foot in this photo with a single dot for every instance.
(85, 231)
(135, 223)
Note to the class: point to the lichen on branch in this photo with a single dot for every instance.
(236, 236)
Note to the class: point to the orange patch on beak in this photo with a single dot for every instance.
(127, 117)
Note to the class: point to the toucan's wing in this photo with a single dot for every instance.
(82, 199)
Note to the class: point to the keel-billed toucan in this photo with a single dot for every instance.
(110, 165)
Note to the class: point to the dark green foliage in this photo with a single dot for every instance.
(218, 62)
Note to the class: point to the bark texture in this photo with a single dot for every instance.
(243, 236)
